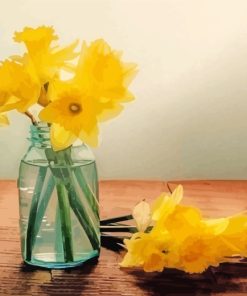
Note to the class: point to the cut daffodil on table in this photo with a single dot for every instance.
(181, 238)
(73, 107)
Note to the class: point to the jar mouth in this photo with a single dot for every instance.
(40, 135)
(40, 126)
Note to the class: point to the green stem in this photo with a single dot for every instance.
(116, 219)
(60, 174)
(87, 190)
(118, 228)
(75, 201)
(58, 233)
(63, 159)
(44, 201)
(65, 221)
(30, 237)
(82, 216)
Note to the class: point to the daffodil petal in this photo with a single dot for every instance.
(103, 74)
(164, 205)
(108, 111)
(142, 215)
(4, 120)
(217, 226)
(60, 138)
(92, 138)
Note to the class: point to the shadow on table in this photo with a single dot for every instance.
(96, 279)
(43, 281)
(227, 277)
(88, 264)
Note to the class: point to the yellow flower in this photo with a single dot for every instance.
(216, 226)
(184, 221)
(235, 234)
(73, 116)
(105, 77)
(181, 238)
(145, 250)
(46, 58)
(165, 204)
(199, 251)
(3, 120)
(95, 93)
(19, 88)
(178, 220)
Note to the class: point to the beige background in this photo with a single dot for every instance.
(190, 116)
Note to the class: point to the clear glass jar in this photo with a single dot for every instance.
(58, 202)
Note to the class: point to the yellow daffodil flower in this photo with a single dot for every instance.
(73, 116)
(177, 219)
(145, 250)
(105, 77)
(46, 58)
(19, 88)
(181, 238)
(3, 120)
(183, 221)
(199, 251)
(165, 204)
(235, 234)
(100, 81)
(23, 79)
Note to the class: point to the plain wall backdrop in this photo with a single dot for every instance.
(189, 119)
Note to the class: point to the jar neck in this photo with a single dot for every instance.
(40, 135)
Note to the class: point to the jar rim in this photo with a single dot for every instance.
(40, 126)
(40, 134)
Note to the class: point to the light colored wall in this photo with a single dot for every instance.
(190, 116)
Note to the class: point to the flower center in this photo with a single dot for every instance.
(75, 108)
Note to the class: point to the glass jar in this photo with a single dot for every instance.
(58, 202)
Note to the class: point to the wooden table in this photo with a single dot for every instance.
(215, 198)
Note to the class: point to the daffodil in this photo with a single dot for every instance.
(103, 75)
(182, 222)
(92, 95)
(181, 238)
(235, 234)
(19, 88)
(145, 250)
(24, 78)
(165, 204)
(73, 116)
(47, 58)
(199, 251)
(4, 120)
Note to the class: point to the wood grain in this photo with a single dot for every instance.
(216, 198)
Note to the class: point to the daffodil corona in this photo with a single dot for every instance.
(73, 115)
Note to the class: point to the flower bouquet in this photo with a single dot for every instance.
(58, 185)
